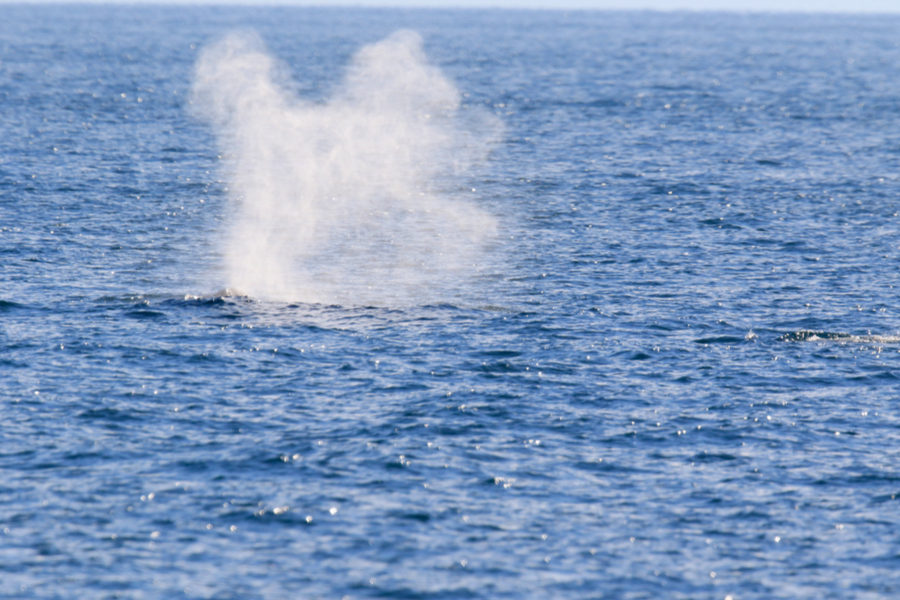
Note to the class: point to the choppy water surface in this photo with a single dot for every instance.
(669, 371)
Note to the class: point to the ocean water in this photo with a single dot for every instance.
(307, 303)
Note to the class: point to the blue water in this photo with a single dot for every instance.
(672, 371)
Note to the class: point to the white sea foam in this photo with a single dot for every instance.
(357, 200)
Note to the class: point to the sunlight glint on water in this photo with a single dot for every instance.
(539, 304)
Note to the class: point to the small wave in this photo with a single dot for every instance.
(834, 336)
(223, 293)
(9, 306)
(722, 339)
(223, 296)
(144, 314)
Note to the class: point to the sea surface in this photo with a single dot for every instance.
(671, 370)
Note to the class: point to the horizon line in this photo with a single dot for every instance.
(463, 6)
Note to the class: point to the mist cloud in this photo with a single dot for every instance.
(357, 200)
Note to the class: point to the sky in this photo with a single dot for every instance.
(877, 6)
(832, 6)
